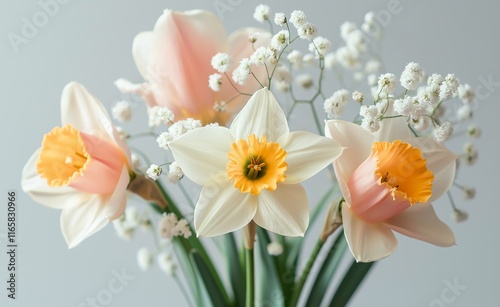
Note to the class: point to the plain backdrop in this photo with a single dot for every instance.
(90, 42)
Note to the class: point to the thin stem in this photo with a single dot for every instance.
(303, 277)
(452, 202)
(250, 278)
(316, 119)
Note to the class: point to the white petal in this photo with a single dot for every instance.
(284, 211)
(421, 222)
(367, 242)
(442, 163)
(222, 209)
(357, 142)
(307, 154)
(84, 112)
(262, 115)
(202, 153)
(392, 129)
(81, 220)
(37, 188)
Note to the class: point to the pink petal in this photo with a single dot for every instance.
(284, 211)
(421, 222)
(104, 168)
(84, 112)
(367, 242)
(222, 209)
(141, 50)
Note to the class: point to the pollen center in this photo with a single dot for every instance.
(63, 156)
(403, 169)
(256, 164)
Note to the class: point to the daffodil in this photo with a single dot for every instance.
(388, 181)
(175, 60)
(252, 170)
(81, 168)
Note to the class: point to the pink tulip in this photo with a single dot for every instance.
(175, 59)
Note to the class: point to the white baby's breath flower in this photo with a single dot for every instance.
(435, 79)
(346, 28)
(421, 123)
(443, 132)
(123, 230)
(122, 111)
(164, 139)
(308, 59)
(334, 105)
(220, 62)
(132, 216)
(307, 31)
(412, 76)
(122, 133)
(220, 106)
(464, 112)
(215, 82)
(280, 19)
(469, 192)
(167, 264)
(465, 93)
(473, 131)
(261, 13)
(320, 46)
(144, 258)
(330, 60)
(175, 172)
(356, 40)
(280, 40)
(295, 57)
(274, 249)
(160, 116)
(460, 215)
(387, 83)
(241, 73)
(448, 87)
(297, 18)
(348, 57)
(304, 80)
(358, 96)
(372, 66)
(403, 106)
(253, 37)
(261, 56)
(182, 229)
(154, 171)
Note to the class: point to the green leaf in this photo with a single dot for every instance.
(352, 280)
(268, 290)
(236, 276)
(190, 273)
(328, 268)
(214, 292)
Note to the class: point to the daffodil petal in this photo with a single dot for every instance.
(441, 161)
(421, 222)
(262, 115)
(222, 209)
(368, 242)
(92, 212)
(84, 112)
(307, 154)
(141, 51)
(284, 211)
(392, 129)
(37, 188)
(202, 153)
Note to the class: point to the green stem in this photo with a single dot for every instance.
(250, 278)
(302, 280)
(183, 290)
(316, 119)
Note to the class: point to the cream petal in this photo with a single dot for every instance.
(202, 153)
(421, 222)
(357, 142)
(141, 51)
(284, 211)
(307, 154)
(262, 115)
(84, 112)
(37, 188)
(222, 209)
(368, 242)
(441, 161)
(392, 129)
(81, 220)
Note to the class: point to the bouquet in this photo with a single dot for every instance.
(219, 109)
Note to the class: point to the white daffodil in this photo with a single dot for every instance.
(81, 168)
(252, 170)
(388, 181)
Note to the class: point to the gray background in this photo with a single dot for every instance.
(90, 41)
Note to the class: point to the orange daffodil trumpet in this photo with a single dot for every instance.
(175, 60)
(82, 167)
(388, 181)
(252, 171)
